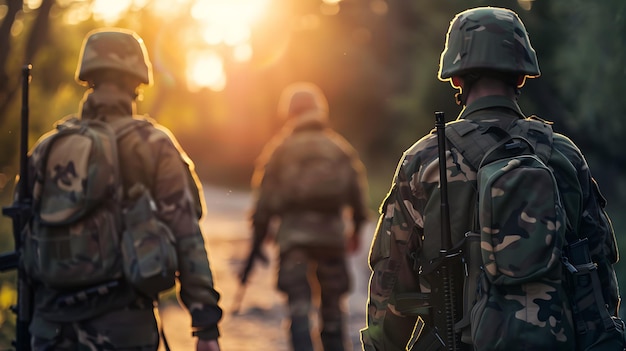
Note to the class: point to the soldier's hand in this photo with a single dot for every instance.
(207, 345)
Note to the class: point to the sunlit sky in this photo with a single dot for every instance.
(219, 23)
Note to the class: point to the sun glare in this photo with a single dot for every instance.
(226, 23)
(110, 10)
(228, 12)
(166, 9)
(222, 22)
(242, 52)
(205, 69)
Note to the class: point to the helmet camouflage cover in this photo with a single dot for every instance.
(301, 97)
(487, 38)
(117, 49)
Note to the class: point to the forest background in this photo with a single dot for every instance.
(219, 68)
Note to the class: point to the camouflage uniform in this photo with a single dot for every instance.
(119, 318)
(407, 236)
(311, 241)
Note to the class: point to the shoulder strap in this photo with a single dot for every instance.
(474, 140)
(122, 126)
(469, 139)
(538, 132)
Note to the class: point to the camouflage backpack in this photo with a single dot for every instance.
(83, 232)
(315, 173)
(530, 281)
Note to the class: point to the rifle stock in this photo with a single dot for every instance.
(20, 213)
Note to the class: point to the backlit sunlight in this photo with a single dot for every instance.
(218, 24)
(109, 11)
(205, 69)
(228, 21)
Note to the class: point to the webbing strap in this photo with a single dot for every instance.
(607, 321)
(124, 125)
(539, 134)
(473, 148)
(473, 140)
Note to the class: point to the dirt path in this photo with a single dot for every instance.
(260, 325)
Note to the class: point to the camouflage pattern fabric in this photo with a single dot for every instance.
(297, 267)
(148, 246)
(520, 211)
(487, 38)
(300, 225)
(407, 236)
(300, 98)
(310, 237)
(539, 212)
(73, 240)
(126, 329)
(149, 155)
(115, 49)
(314, 172)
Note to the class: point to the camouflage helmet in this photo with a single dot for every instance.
(117, 49)
(302, 97)
(487, 38)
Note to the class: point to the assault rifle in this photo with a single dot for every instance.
(256, 252)
(20, 213)
(447, 256)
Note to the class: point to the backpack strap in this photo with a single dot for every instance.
(472, 148)
(538, 132)
(468, 137)
(63, 127)
(475, 141)
(121, 127)
(124, 125)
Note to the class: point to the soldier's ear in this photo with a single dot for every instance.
(457, 82)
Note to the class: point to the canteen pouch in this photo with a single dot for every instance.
(148, 247)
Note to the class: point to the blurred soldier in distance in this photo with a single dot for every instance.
(306, 178)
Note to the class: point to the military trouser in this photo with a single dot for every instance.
(329, 267)
(123, 329)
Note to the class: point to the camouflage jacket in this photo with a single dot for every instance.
(407, 234)
(302, 226)
(150, 155)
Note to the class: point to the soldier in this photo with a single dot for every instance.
(487, 57)
(309, 201)
(113, 64)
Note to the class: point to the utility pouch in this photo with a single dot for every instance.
(148, 247)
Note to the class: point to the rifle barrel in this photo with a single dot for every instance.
(446, 237)
(453, 341)
(24, 132)
(9, 261)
